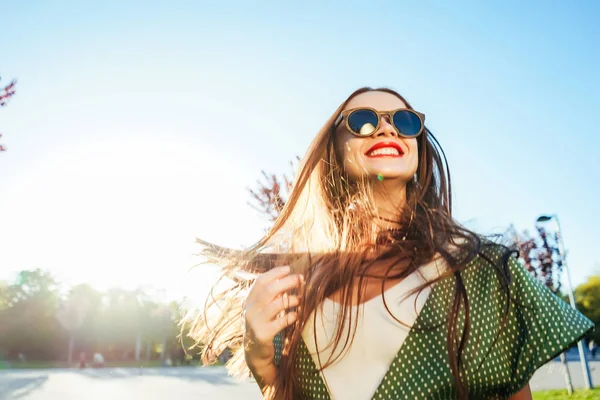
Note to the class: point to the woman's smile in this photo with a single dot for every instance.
(385, 149)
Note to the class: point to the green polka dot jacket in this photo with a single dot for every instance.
(497, 362)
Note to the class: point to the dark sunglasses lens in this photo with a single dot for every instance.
(408, 123)
(363, 122)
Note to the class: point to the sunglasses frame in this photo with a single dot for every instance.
(344, 116)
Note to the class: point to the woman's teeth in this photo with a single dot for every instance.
(385, 151)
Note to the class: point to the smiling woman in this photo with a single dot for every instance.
(367, 288)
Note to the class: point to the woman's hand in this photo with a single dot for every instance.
(266, 313)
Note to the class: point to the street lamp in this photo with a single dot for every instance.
(563, 257)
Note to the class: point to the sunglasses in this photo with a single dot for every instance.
(364, 121)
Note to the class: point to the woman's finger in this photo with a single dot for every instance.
(282, 303)
(275, 289)
(262, 282)
(282, 322)
(272, 275)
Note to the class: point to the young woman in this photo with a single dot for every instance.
(366, 288)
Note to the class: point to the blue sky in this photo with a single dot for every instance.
(139, 125)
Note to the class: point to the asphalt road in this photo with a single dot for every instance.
(182, 383)
(124, 383)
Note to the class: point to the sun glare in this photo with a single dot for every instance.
(125, 213)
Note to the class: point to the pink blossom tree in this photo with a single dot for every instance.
(6, 93)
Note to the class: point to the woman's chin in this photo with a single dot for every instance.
(383, 175)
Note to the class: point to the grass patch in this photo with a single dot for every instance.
(578, 394)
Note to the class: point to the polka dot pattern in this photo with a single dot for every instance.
(500, 355)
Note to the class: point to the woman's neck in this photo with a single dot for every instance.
(388, 198)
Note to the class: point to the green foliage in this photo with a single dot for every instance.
(27, 314)
(587, 298)
(39, 322)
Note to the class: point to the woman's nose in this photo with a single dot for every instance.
(385, 127)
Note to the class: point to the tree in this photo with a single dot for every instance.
(27, 316)
(587, 297)
(270, 196)
(164, 323)
(120, 322)
(6, 93)
(73, 312)
(36, 320)
(539, 255)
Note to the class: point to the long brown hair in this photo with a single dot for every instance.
(326, 232)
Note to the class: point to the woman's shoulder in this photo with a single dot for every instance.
(478, 258)
(487, 269)
(516, 323)
(532, 324)
(479, 251)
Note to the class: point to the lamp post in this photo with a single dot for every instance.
(563, 257)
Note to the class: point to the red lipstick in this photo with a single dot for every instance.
(382, 145)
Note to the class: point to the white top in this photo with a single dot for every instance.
(378, 336)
